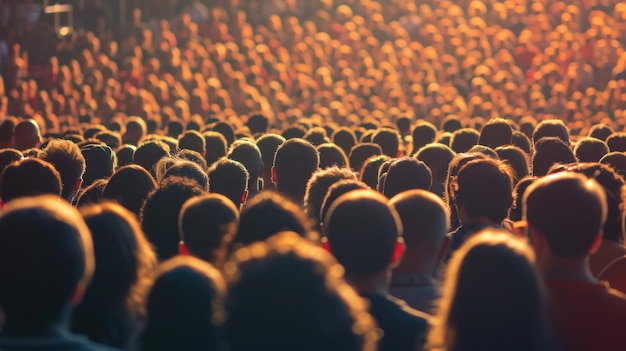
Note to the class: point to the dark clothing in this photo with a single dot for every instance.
(62, 341)
(462, 233)
(403, 328)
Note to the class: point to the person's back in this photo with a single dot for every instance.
(46, 263)
(565, 213)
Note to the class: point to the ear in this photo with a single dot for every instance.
(399, 154)
(274, 177)
(398, 252)
(596, 243)
(443, 250)
(325, 244)
(244, 197)
(182, 248)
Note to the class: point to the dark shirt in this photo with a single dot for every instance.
(403, 328)
(61, 341)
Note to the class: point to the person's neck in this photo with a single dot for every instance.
(377, 284)
(558, 268)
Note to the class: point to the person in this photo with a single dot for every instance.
(268, 144)
(66, 157)
(248, 154)
(389, 141)
(364, 233)
(26, 135)
(189, 170)
(492, 299)
(112, 310)
(184, 318)
(590, 149)
(497, 132)
(554, 128)
(229, 178)
(483, 197)
(129, 186)
(46, 264)
(404, 174)
(437, 157)
(193, 140)
(136, 131)
(295, 162)
(565, 213)
(159, 215)
(207, 225)
(318, 186)
(549, 151)
(149, 153)
(29, 177)
(335, 191)
(426, 224)
(100, 162)
(286, 293)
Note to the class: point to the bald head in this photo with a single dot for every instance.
(26, 135)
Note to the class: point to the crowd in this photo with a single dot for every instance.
(318, 175)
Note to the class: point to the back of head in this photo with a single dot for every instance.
(590, 149)
(516, 158)
(129, 186)
(600, 131)
(192, 140)
(258, 123)
(226, 130)
(464, 139)
(100, 162)
(497, 132)
(159, 215)
(294, 163)
(369, 172)
(8, 156)
(548, 151)
(569, 210)
(424, 133)
(29, 177)
(136, 130)
(336, 190)
(6, 131)
(332, 155)
(66, 157)
(616, 160)
(389, 141)
(316, 136)
(318, 186)
(405, 174)
(450, 124)
(216, 146)
(617, 142)
(520, 140)
(551, 128)
(184, 306)
(46, 257)
(149, 153)
(344, 138)
(229, 178)
(437, 157)
(492, 298)
(362, 231)
(125, 155)
(361, 152)
(248, 154)
(285, 294)
(26, 135)
(207, 225)
(189, 170)
(484, 188)
(268, 144)
(269, 213)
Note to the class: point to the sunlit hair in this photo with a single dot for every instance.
(289, 294)
(492, 298)
(113, 306)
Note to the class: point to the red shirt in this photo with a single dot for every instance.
(588, 316)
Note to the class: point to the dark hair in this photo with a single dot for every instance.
(111, 139)
(189, 170)
(29, 177)
(184, 318)
(248, 154)
(336, 190)
(437, 157)
(617, 142)
(362, 231)
(91, 194)
(229, 178)
(370, 169)
(100, 162)
(149, 153)
(316, 136)
(424, 133)
(129, 186)
(485, 189)
(8, 156)
(569, 210)
(267, 144)
(520, 140)
(516, 158)
(159, 215)
(125, 155)
(548, 151)
(485, 150)
(450, 124)
(216, 146)
(600, 131)
(174, 129)
(464, 139)
(66, 157)
(226, 130)
(456, 164)
(300, 296)
(590, 149)
(515, 214)
(332, 155)
(361, 152)
(407, 173)
(345, 138)
(317, 187)
(294, 132)
(389, 141)
(46, 256)
(193, 156)
(497, 132)
(616, 160)
(112, 308)
(294, 163)
(6, 129)
(551, 128)
(257, 123)
(192, 140)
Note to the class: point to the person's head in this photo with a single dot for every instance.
(29, 177)
(226, 130)
(551, 128)
(294, 163)
(316, 136)
(497, 132)
(257, 123)
(159, 215)
(195, 157)
(125, 155)
(335, 191)
(6, 131)
(617, 161)
(129, 186)
(345, 138)
(600, 131)
(125, 261)
(464, 139)
(590, 149)
(185, 306)
(425, 224)
(190, 170)
(492, 298)
(483, 191)
(136, 130)
(565, 213)
(8, 156)
(248, 154)
(549, 151)
(361, 152)
(389, 141)
(91, 194)
(617, 142)
(192, 140)
(229, 178)
(520, 140)
(407, 173)
(332, 155)
(516, 158)
(149, 153)
(364, 233)
(175, 128)
(437, 157)
(216, 146)
(424, 133)
(100, 162)
(207, 225)
(66, 157)
(317, 187)
(451, 123)
(269, 213)
(515, 214)
(46, 263)
(26, 135)
(370, 169)
(284, 294)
